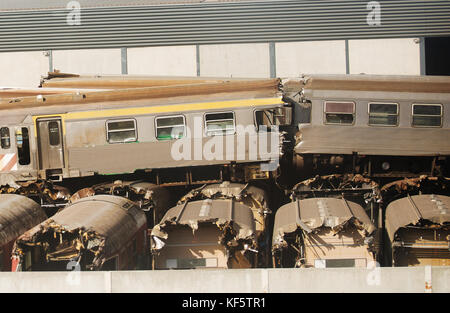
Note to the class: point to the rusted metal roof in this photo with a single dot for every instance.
(413, 209)
(363, 82)
(267, 86)
(17, 215)
(228, 190)
(313, 213)
(102, 224)
(215, 211)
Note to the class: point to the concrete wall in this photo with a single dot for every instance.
(341, 280)
(25, 69)
(384, 56)
(170, 61)
(96, 61)
(381, 56)
(315, 57)
(241, 60)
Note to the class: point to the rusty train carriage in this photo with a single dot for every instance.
(17, 215)
(323, 232)
(251, 196)
(101, 232)
(205, 234)
(419, 230)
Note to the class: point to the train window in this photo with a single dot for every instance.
(23, 146)
(121, 131)
(5, 138)
(219, 123)
(274, 116)
(342, 113)
(383, 114)
(170, 127)
(53, 133)
(427, 115)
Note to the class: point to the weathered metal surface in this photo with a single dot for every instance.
(131, 24)
(89, 231)
(233, 224)
(143, 93)
(418, 211)
(149, 197)
(310, 215)
(57, 80)
(378, 83)
(251, 196)
(17, 215)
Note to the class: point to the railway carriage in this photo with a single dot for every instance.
(382, 126)
(186, 127)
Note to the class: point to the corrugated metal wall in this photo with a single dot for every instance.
(215, 23)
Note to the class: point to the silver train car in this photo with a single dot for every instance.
(380, 126)
(145, 130)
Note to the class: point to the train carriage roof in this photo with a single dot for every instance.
(413, 209)
(363, 82)
(17, 215)
(215, 211)
(313, 213)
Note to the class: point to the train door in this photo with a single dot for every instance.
(50, 143)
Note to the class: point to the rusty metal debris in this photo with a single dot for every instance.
(150, 198)
(422, 184)
(88, 232)
(337, 185)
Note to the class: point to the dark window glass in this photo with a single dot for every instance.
(5, 138)
(110, 265)
(427, 109)
(219, 123)
(339, 118)
(383, 108)
(53, 133)
(427, 115)
(23, 148)
(383, 114)
(340, 263)
(191, 263)
(339, 112)
(168, 128)
(121, 131)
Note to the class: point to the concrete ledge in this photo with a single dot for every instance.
(341, 280)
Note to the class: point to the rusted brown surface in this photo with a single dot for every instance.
(251, 196)
(89, 231)
(44, 190)
(129, 94)
(337, 184)
(17, 215)
(59, 80)
(418, 211)
(423, 184)
(149, 197)
(323, 229)
(233, 219)
(429, 84)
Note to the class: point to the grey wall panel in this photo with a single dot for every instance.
(216, 23)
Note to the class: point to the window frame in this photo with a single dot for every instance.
(4, 147)
(219, 112)
(121, 130)
(427, 104)
(169, 116)
(383, 114)
(339, 124)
